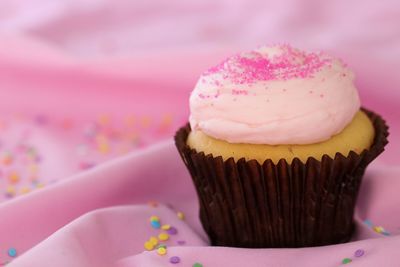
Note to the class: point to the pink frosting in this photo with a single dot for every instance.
(274, 95)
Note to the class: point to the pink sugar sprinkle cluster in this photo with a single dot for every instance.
(255, 66)
(239, 92)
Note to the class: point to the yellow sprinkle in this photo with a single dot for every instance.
(103, 148)
(165, 122)
(181, 216)
(153, 240)
(33, 169)
(165, 226)
(25, 190)
(163, 236)
(378, 229)
(167, 119)
(10, 190)
(13, 177)
(102, 144)
(161, 251)
(148, 246)
(104, 120)
(39, 185)
(154, 218)
(130, 121)
(145, 121)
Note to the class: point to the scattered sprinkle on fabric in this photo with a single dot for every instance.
(24, 160)
(148, 245)
(154, 218)
(161, 251)
(172, 231)
(155, 224)
(359, 253)
(376, 228)
(163, 236)
(180, 215)
(165, 226)
(12, 252)
(153, 240)
(346, 260)
(174, 260)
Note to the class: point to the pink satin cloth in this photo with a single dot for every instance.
(91, 93)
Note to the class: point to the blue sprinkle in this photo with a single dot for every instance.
(368, 223)
(12, 252)
(386, 233)
(155, 224)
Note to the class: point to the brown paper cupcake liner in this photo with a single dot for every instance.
(247, 204)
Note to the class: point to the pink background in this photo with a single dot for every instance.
(87, 88)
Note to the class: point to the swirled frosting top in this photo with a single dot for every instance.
(274, 95)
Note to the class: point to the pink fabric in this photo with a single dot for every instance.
(83, 82)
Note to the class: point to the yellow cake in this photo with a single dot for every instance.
(357, 136)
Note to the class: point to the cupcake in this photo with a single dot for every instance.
(277, 144)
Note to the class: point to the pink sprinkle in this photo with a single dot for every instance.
(202, 96)
(41, 119)
(254, 66)
(86, 165)
(239, 92)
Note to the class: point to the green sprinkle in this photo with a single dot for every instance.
(346, 260)
(197, 265)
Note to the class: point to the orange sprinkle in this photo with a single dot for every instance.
(13, 177)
